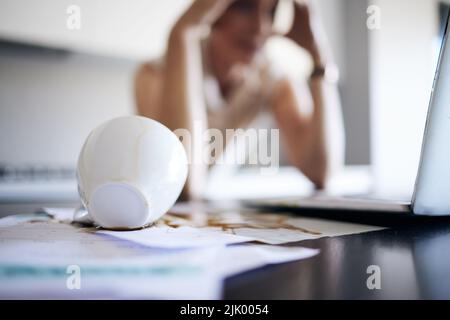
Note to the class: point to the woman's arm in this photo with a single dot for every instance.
(181, 102)
(315, 140)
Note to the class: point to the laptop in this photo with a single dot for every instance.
(431, 195)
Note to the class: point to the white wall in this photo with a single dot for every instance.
(333, 16)
(402, 68)
(49, 103)
(135, 29)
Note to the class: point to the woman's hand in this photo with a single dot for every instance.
(183, 105)
(315, 141)
(202, 13)
(307, 31)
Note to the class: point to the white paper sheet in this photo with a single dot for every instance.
(309, 229)
(196, 225)
(183, 237)
(35, 255)
(275, 228)
(236, 259)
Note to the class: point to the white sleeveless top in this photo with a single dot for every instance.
(248, 104)
(246, 101)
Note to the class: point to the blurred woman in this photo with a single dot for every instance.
(223, 80)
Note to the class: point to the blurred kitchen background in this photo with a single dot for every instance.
(57, 84)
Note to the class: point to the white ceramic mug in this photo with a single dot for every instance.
(131, 170)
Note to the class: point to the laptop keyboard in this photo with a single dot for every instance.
(32, 173)
(24, 184)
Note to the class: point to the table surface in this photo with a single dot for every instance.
(414, 262)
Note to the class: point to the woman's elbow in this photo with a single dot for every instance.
(319, 170)
(319, 176)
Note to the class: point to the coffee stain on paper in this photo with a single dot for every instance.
(229, 221)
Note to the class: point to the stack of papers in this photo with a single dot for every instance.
(185, 255)
(195, 224)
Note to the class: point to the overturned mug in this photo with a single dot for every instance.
(130, 172)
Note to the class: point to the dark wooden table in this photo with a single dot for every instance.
(414, 263)
(413, 257)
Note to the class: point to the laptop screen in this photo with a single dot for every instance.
(433, 180)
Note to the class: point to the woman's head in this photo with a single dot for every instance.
(243, 29)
